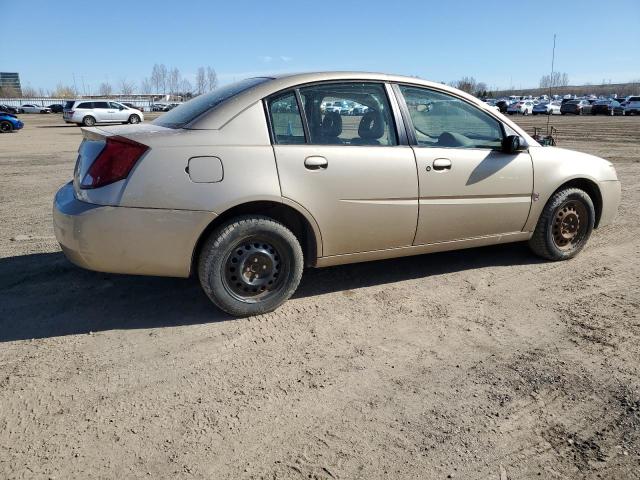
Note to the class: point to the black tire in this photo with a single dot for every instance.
(564, 226)
(6, 127)
(88, 121)
(133, 119)
(232, 260)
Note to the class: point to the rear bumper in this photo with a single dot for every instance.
(611, 193)
(137, 241)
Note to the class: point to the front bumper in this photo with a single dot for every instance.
(138, 241)
(611, 193)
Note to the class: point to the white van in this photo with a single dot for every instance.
(90, 112)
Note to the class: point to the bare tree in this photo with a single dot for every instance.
(174, 80)
(105, 89)
(466, 84)
(146, 86)
(201, 81)
(29, 91)
(159, 78)
(64, 91)
(212, 79)
(557, 79)
(9, 92)
(126, 87)
(186, 89)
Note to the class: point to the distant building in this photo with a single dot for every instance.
(10, 81)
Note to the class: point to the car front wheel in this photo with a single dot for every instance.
(250, 265)
(88, 121)
(6, 127)
(564, 226)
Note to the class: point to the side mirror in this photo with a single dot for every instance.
(513, 144)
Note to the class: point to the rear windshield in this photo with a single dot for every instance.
(68, 105)
(185, 113)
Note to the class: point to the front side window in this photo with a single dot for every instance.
(349, 113)
(117, 106)
(442, 120)
(286, 122)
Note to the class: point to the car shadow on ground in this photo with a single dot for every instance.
(57, 126)
(43, 295)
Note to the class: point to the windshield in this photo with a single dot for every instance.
(185, 113)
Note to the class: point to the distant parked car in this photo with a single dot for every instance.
(9, 123)
(30, 108)
(88, 114)
(131, 105)
(525, 107)
(8, 109)
(632, 106)
(503, 105)
(158, 107)
(547, 108)
(576, 107)
(56, 108)
(607, 107)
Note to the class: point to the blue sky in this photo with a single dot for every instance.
(502, 43)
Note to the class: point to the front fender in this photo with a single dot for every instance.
(553, 167)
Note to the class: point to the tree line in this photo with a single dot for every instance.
(162, 81)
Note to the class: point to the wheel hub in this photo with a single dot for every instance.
(567, 226)
(252, 269)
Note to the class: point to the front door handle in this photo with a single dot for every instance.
(442, 164)
(316, 163)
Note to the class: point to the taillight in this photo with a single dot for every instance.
(114, 162)
(71, 112)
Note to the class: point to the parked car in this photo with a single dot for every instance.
(525, 107)
(576, 107)
(30, 108)
(547, 108)
(89, 113)
(632, 106)
(247, 197)
(9, 123)
(158, 107)
(9, 109)
(131, 105)
(56, 108)
(503, 105)
(607, 107)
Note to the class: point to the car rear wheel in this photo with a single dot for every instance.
(564, 226)
(133, 119)
(6, 127)
(250, 265)
(88, 121)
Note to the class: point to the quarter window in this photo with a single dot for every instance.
(286, 121)
(441, 120)
(350, 113)
(88, 105)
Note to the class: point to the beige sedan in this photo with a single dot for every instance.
(247, 185)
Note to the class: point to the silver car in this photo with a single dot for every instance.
(92, 112)
(247, 185)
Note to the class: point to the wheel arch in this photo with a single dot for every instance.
(591, 188)
(295, 218)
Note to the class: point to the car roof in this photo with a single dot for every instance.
(216, 118)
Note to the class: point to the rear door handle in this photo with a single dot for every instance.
(316, 163)
(442, 164)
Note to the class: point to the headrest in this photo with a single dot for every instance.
(331, 125)
(371, 126)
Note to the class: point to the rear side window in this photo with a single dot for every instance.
(286, 122)
(189, 111)
(348, 113)
(88, 105)
(100, 105)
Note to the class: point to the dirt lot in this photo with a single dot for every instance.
(477, 364)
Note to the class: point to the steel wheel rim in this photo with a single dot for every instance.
(254, 269)
(569, 225)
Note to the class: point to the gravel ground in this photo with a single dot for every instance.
(476, 364)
